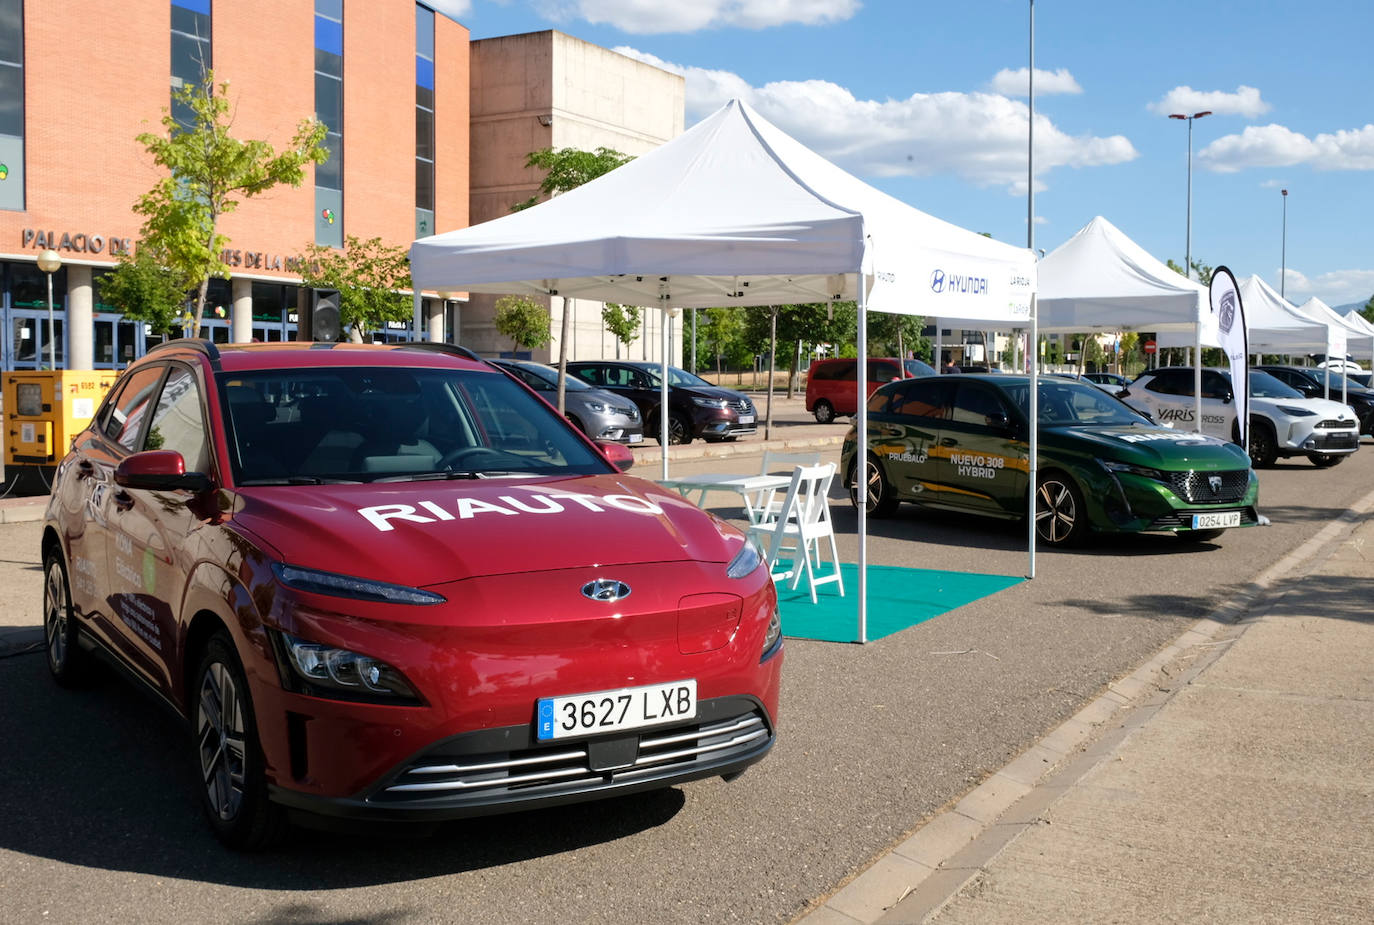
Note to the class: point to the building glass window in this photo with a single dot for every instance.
(329, 110)
(424, 121)
(190, 51)
(12, 104)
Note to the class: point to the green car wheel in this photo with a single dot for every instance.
(1061, 519)
(882, 498)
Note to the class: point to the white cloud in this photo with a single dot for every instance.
(1279, 146)
(1334, 288)
(1014, 83)
(647, 17)
(980, 137)
(1244, 102)
(456, 10)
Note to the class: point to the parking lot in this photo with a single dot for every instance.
(100, 820)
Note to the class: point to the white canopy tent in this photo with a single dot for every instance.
(1359, 323)
(1274, 325)
(1357, 336)
(1102, 281)
(735, 212)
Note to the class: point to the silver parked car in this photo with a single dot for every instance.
(599, 414)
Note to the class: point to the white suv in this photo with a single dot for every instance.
(1282, 421)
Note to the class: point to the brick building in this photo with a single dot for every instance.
(392, 80)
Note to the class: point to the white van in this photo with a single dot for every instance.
(1282, 421)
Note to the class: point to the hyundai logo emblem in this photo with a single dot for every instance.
(937, 281)
(606, 589)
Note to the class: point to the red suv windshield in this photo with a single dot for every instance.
(370, 423)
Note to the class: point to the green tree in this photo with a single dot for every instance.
(1202, 271)
(623, 321)
(896, 335)
(721, 332)
(367, 275)
(832, 323)
(144, 288)
(209, 173)
(1368, 310)
(568, 168)
(523, 320)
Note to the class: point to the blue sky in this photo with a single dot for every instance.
(927, 101)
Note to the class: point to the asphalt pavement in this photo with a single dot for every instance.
(1228, 779)
(1222, 773)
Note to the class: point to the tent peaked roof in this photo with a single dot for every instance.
(1100, 279)
(1342, 331)
(732, 212)
(1274, 325)
(1358, 321)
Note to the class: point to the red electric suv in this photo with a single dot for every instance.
(390, 582)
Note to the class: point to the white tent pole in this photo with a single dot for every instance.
(861, 456)
(1197, 376)
(1032, 469)
(664, 411)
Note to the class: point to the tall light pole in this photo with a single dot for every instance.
(49, 261)
(1188, 240)
(1030, 138)
(1283, 259)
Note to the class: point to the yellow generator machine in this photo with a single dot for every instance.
(44, 410)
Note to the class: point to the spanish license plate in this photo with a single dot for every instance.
(636, 438)
(746, 419)
(613, 711)
(1213, 520)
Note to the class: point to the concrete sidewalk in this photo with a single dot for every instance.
(1231, 779)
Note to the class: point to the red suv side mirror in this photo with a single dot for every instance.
(159, 470)
(618, 454)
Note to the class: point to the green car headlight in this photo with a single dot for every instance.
(1144, 472)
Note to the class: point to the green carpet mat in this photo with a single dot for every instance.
(897, 598)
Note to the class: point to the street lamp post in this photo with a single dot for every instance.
(49, 261)
(1188, 239)
(1283, 253)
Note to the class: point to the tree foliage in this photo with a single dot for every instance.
(897, 335)
(209, 172)
(1368, 310)
(568, 168)
(1202, 271)
(366, 275)
(523, 320)
(623, 321)
(144, 288)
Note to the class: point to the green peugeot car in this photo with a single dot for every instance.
(960, 443)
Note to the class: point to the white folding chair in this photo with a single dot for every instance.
(801, 523)
(764, 506)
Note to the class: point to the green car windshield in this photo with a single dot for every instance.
(1069, 404)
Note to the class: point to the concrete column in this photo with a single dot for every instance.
(434, 322)
(303, 319)
(241, 321)
(80, 318)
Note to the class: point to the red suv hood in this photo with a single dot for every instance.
(425, 533)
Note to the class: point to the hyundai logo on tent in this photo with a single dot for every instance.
(937, 281)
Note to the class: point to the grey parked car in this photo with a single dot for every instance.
(599, 414)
